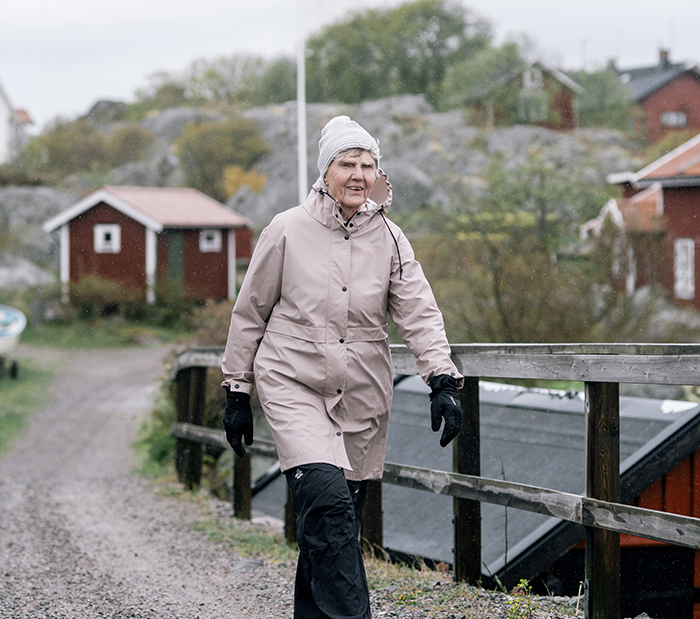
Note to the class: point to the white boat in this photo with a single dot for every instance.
(12, 323)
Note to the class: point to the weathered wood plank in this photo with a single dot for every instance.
(197, 356)
(510, 494)
(670, 364)
(211, 436)
(241, 495)
(647, 523)
(466, 459)
(602, 555)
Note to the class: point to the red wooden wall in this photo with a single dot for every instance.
(680, 95)
(128, 266)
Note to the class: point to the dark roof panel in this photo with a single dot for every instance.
(530, 436)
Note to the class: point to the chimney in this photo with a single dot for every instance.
(663, 57)
(612, 64)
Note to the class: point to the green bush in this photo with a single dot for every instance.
(207, 149)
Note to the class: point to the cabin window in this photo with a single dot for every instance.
(684, 268)
(674, 119)
(210, 241)
(532, 78)
(108, 238)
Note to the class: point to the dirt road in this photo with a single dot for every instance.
(82, 537)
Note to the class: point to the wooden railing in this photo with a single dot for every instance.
(601, 367)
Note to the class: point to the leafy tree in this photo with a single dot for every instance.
(485, 80)
(498, 267)
(128, 143)
(605, 101)
(206, 149)
(66, 147)
(382, 52)
(163, 91)
(277, 83)
(227, 79)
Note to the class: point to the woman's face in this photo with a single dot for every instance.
(350, 179)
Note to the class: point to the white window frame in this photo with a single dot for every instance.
(684, 268)
(674, 120)
(107, 238)
(210, 241)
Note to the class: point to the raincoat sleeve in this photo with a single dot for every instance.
(258, 295)
(415, 313)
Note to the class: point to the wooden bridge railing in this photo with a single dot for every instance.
(601, 367)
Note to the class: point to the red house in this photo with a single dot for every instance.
(669, 94)
(142, 236)
(658, 219)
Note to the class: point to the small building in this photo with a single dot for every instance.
(12, 128)
(669, 94)
(537, 95)
(657, 220)
(146, 236)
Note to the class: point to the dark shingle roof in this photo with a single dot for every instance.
(647, 80)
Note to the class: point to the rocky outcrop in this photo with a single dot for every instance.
(23, 210)
(427, 155)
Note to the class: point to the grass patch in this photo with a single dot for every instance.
(98, 334)
(248, 540)
(154, 448)
(19, 398)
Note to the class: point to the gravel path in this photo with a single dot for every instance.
(82, 537)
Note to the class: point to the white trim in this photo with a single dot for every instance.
(107, 238)
(64, 261)
(231, 247)
(102, 195)
(151, 265)
(618, 178)
(666, 158)
(210, 245)
(684, 268)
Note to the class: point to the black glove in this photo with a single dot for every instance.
(444, 403)
(238, 421)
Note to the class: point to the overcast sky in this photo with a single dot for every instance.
(57, 57)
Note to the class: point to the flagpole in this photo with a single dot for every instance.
(301, 104)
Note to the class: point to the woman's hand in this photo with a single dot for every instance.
(238, 421)
(444, 404)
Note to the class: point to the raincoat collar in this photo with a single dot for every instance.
(322, 207)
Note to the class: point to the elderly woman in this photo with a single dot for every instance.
(309, 329)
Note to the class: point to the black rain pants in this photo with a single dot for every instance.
(330, 580)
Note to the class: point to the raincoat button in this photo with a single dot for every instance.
(345, 288)
(340, 391)
(347, 236)
(236, 386)
(342, 341)
(351, 225)
(337, 433)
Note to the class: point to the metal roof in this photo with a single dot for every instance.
(529, 436)
(156, 208)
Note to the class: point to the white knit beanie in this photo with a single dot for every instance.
(340, 134)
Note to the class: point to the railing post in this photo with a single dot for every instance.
(189, 401)
(467, 514)
(242, 494)
(602, 592)
(373, 518)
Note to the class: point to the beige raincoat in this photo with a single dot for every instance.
(309, 328)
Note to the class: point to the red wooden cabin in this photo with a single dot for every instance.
(668, 92)
(144, 236)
